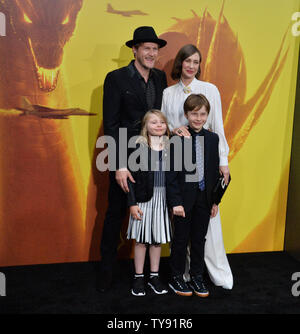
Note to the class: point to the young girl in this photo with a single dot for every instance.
(149, 222)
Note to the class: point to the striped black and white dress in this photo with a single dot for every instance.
(155, 227)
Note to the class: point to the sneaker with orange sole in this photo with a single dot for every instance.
(180, 287)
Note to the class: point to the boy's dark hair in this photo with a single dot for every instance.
(185, 52)
(196, 101)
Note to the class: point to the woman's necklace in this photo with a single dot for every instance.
(186, 89)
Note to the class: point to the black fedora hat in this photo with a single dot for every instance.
(143, 35)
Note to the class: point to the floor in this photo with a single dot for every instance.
(262, 284)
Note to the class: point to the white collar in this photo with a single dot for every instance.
(191, 85)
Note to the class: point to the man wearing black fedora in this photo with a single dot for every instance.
(129, 92)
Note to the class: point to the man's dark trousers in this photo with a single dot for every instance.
(115, 215)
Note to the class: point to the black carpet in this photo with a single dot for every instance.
(262, 285)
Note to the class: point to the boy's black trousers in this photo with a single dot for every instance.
(191, 228)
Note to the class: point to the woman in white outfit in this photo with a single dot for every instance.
(186, 69)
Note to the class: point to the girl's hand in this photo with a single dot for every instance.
(178, 211)
(136, 212)
(182, 131)
(214, 211)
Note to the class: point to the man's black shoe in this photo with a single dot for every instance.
(198, 285)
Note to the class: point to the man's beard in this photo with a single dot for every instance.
(141, 62)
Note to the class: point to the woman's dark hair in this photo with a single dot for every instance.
(185, 52)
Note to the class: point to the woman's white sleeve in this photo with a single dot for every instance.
(164, 110)
(218, 127)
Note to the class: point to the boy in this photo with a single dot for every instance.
(189, 194)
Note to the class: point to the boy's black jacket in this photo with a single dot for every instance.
(181, 192)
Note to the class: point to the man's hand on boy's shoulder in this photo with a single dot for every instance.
(179, 211)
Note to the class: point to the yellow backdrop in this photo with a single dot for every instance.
(258, 95)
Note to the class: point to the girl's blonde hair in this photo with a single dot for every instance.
(144, 138)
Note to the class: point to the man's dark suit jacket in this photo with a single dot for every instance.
(124, 102)
(180, 192)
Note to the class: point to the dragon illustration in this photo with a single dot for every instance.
(42, 213)
(41, 193)
(223, 64)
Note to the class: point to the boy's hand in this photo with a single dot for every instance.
(136, 212)
(179, 211)
(214, 211)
